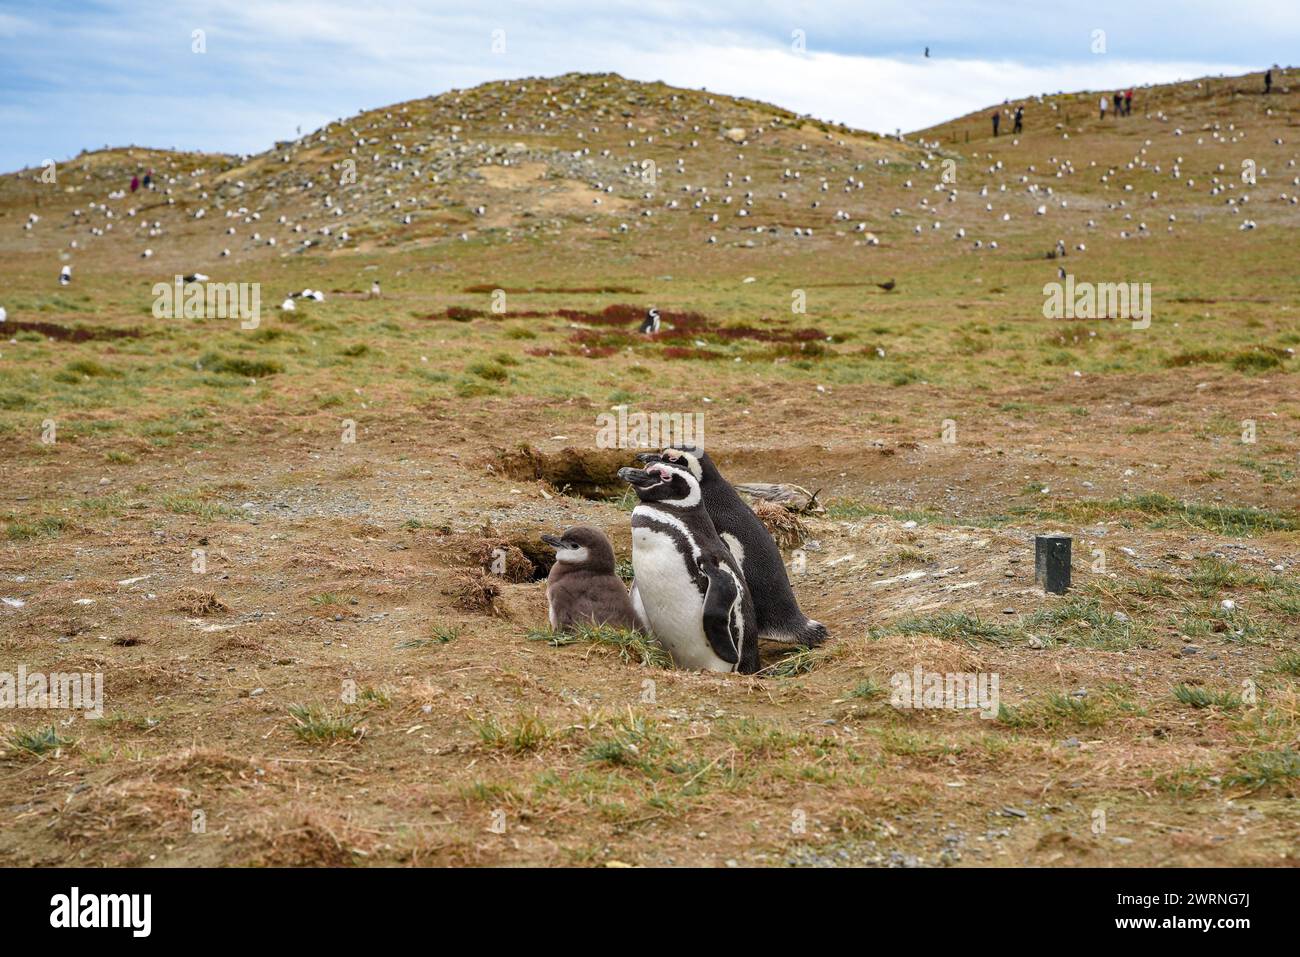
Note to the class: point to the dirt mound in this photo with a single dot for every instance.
(590, 473)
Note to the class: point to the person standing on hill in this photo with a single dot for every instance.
(1104, 101)
(1020, 120)
(135, 183)
(997, 118)
(1268, 82)
(1119, 103)
(1128, 102)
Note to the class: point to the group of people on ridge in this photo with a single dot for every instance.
(1123, 103)
(1019, 118)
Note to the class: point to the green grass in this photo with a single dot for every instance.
(1288, 664)
(801, 661)
(198, 507)
(629, 645)
(950, 624)
(329, 598)
(317, 725)
(37, 742)
(1083, 622)
(868, 690)
(440, 636)
(239, 366)
(1055, 710)
(1262, 769)
(526, 734)
(47, 526)
(1198, 697)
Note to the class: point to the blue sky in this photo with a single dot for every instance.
(86, 74)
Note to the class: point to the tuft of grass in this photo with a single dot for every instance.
(1082, 621)
(1056, 710)
(802, 661)
(239, 366)
(329, 598)
(37, 742)
(316, 725)
(528, 733)
(630, 645)
(1261, 769)
(440, 636)
(1288, 664)
(490, 370)
(868, 690)
(47, 526)
(1202, 698)
(950, 624)
(192, 505)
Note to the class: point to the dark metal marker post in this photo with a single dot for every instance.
(1052, 562)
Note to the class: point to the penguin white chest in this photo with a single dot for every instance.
(671, 601)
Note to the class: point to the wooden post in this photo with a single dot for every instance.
(1052, 563)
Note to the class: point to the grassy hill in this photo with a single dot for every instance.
(346, 469)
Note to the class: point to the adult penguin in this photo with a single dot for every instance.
(776, 608)
(688, 587)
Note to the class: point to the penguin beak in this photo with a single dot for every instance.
(554, 541)
(639, 478)
(647, 457)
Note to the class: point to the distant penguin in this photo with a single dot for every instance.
(583, 588)
(651, 324)
(65, 275)
(374, 289)
(688, 587)
(195, 277)
(777, 610)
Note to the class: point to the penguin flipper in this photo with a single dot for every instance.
(724, 625)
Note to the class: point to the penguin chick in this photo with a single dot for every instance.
(583, 588)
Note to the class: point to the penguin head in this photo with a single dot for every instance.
(689, 457)
(582, 545)
(664, 482)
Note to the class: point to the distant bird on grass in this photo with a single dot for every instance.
(65, 275)
(887, 286)
(650, 326)
(374, 290)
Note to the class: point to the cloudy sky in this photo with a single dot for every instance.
(78, 74)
